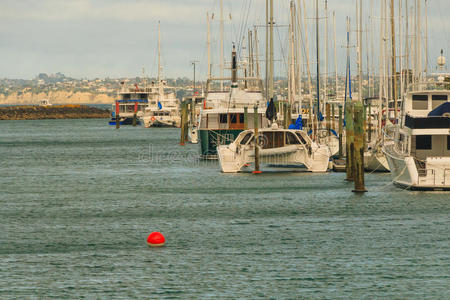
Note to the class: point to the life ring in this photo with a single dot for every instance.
(153, 119)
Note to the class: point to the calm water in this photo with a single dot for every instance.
(78, 199)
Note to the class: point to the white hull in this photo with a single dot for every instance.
(375, 161)
(235, 156)
(407, 172)
(166, 121)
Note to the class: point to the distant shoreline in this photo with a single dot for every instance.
(68, 111)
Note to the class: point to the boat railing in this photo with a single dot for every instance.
(428, 86)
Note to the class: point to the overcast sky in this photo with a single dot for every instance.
(118, 38)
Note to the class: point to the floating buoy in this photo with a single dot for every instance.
(156, 239)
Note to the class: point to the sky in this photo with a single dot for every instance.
(118, 38)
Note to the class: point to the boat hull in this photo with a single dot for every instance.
(210, 139)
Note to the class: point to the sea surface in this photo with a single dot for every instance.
(79, 198)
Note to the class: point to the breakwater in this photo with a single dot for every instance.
(33, 112)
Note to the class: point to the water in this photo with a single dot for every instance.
(78, 199)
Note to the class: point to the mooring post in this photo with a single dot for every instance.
(349, 136)
(245, 118)
(369, 124)
(328, 112)
(183, 128)
(358, 114)
(135, 114)
(341, 154)
(255, 119)
(117, 115)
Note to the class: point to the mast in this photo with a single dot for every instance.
(308, 70)
(299, 57)
(419, 42)
(159, 52)
(381, 69)
(250, 53)
(360, 91)
(393, 62)
(271, 70)
(317, 61)
(256, 45)
(400, 36)
(426, 37)
(325, 99)
(291, 56)
(335, 57)
(221, 45)
(267, 50)
(406, 45)
(209, 45)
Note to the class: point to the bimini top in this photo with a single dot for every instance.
(442, 110)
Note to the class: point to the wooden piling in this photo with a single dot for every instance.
(333, 118)
(117, 115)
(245, 118)
(328, 118)
(369, 124)
(255, 118)
(358, 114)
(135, 114)
(341, 150)
(184, 119)
(349, 142)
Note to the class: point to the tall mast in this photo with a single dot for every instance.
(419, 41)
(317, 60)
(325, 99)
(426, 36)
(360, 91)
(393, 61)
(400, 42)
(308, 69)
(209, 45)
(221, 44)
(381, 70)
(256, 45)
(250, 53)
(267, 50)
(406, 45)
(271, 70)
(299, 55)
(335, 57)
(159, 52)
(291, 55)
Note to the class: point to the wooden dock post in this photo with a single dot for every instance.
(117, 115)
(341, 150)
(245, 118)
(349, 142)
(328, 118)
(135, 114)
(184, 117)
(255, 118)
(358, 154)
(369, 124)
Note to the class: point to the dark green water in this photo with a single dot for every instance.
(78, 199)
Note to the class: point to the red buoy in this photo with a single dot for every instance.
(156, 239)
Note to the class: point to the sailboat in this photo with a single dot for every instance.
(163, 108)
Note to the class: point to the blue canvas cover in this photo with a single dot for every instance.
(441, 110)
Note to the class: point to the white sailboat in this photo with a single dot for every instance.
(163, 108)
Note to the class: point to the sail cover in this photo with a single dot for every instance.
(442, 110)
(271, 111)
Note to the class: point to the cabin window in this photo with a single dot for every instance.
(438, 100)
(423, 142)
(223, 118)
(301, 138)
(241, 118)
(448, 142)
(143, 96)
(291, 139)
(246, 138)
(126, 96)
(233, 118)
(420, 101)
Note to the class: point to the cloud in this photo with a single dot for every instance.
(121, 11)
